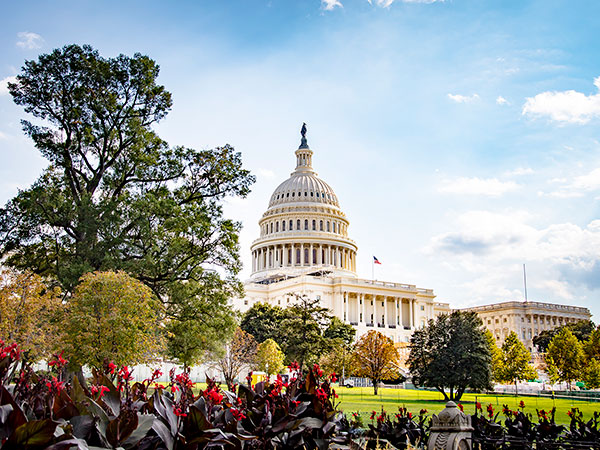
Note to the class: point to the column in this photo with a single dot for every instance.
(412, 311)
(374, 300)
(301, 254)
(361, 308)
(285, 255)
(345, 310)
(310, 256)
(396, 316)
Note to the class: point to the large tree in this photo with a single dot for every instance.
(263, 321)
(30, 313)
(269, 357)
(582, 329)
(302, 330)
(565, 357)
(496, 355)
(115, 196)
(376, 358)
(111, 316)
(515, 361)
(451, 354)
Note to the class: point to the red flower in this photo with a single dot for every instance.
(409, 415)
(521, 404)
(373, 413)
(125, 374)
(111, 367)
(103, 389)
(94, 389)
(423, 412)
(59, 361)
(490, 410)
(460, 406)
(237, 414)
(159, 386)
(317, 370)
(178, 412)
(294, 366)
(174, 388)
(214, 396)
(333, 378)
(478, 406)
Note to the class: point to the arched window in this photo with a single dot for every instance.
(306, 224)
(283, 225)
(334, 227)
(314, 225)
(271, 227)
(291, 224)
(328, 228)
(321, 225)
(276, 227)
(298, 224)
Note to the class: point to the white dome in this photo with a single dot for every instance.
(303, 187)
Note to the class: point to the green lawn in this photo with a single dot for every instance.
(363, 400)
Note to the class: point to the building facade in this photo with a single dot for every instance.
(527, 319)
(304, 249)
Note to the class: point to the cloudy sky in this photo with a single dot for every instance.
(461, 136)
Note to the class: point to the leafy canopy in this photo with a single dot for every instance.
(115, 196)
(452, 353)
(565, 356)
(30, 313)
(376, 358)
(269, 357)
(240, 353)
(111, 316)
(515, 361)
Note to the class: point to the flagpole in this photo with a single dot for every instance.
(373, 269)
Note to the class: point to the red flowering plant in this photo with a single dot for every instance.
(400, 430)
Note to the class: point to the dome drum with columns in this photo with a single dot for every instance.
(304, 249)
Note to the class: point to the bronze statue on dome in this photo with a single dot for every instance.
(303, 143)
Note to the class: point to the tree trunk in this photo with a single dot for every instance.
(516, 388)
(375, 386)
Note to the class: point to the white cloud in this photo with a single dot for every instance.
(519, 171)
(3, 136)
(580, 185)
(463, 98)
(502, 101)
(4, 84)
(477, 186)
(388, 3)
(329, 5)
(564, 106)
(29, 40)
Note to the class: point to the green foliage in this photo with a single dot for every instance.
(582, 329)
(451, 352)
(375, 357)
(269, 357)
(515, 361)
(263, 321)
(30, 313)
(199, 320)
(240, 353)
(114, 195)
(591, 374)
(565, 356)
(591, 347)
(496, 354)
(339, 333)
(111, 316)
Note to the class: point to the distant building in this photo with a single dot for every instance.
(304, 249)
(527, 319)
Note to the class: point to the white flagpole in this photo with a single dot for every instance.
(373, 269)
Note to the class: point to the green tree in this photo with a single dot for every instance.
(591, 374)
(198, 320)
(263, 321)
(339, 360)
(269, 357)
(111, 316)
(115, 196)
(30, 313)
(581, 329)
(451, 353)
(496, 354)
(339, 333)
(515, 362)
(591, 347)
(565, 356)
(302, 331)
(376, 358)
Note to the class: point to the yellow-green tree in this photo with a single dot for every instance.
(376, 358)
(269, 357)
(591, 347)
(29, 313)
(114, 316)
(496, 355)
(515, 365)
(591, 374)
(565, 357)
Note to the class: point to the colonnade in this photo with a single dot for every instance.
(383, 311)
(303, 254)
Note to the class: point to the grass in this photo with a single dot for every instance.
(363, 401)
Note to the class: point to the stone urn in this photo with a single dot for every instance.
(450, 430)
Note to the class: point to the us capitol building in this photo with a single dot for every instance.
(304, 249)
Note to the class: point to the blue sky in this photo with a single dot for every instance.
(462, 137)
